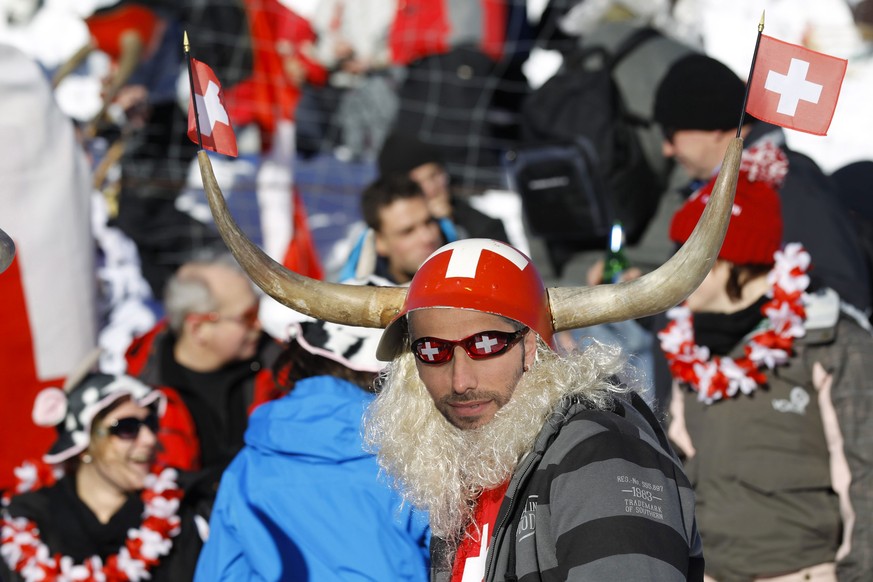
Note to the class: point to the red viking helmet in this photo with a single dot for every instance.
(480, 274)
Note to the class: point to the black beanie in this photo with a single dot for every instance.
(699, 92)
(403, 152)
(855, 187)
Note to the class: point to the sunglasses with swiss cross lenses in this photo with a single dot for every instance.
(479, 346)
(128, 428)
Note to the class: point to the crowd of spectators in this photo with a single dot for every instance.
(414, 111)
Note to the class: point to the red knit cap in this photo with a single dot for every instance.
(755, 230)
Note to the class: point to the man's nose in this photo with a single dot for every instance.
(147, 436)
(463, 374)
(667, 149)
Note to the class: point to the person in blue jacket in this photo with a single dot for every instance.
(302, 500)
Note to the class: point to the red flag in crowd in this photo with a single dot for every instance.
(48, 322)
(301, 255)
(215, 128)
(108, 27)
(795, 87)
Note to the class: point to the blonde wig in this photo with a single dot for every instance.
(443, 469)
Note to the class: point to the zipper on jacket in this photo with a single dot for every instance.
(531, 458)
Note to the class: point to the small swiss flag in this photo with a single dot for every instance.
(215, 127)
(795, 87)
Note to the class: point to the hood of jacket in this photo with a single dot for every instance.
(319, 420)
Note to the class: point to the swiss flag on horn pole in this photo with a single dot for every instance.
(795, 87)
(215, 128)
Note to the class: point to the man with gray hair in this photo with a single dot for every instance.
(212, 360)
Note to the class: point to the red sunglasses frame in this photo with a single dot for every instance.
(247, 318)
(467, 344)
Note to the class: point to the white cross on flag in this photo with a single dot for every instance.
(795, 87)
(215, 128)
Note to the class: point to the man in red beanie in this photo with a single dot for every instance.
(772, 404)
(698, 105)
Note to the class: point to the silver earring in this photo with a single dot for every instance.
(87, 458)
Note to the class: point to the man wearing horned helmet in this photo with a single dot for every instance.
(532, 466)
(524, 459)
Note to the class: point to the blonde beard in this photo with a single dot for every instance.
(443, 469)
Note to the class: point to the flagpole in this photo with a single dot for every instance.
(194, 94)
(751, 72)
(7, 250)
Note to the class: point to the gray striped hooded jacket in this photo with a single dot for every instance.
(601, 497)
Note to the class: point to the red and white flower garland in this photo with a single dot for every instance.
(30, 475)
(24, 551)
(719, 377)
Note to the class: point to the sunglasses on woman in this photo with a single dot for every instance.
(127, 428)
(479, 346)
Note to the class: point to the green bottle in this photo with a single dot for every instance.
(615, 262)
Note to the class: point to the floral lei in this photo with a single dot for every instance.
(719, 377)
(24, 551)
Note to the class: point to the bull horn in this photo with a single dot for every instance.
(72, 63)
(363, 306)
(572, 307)
(7, 250)
(132, 47)
(672, 282)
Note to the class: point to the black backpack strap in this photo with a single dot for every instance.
(611, 61)
(632, 41)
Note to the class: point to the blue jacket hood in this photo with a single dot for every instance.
(333, 405)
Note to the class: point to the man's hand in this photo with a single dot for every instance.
(595, 274)
(343, 50)
(439, 206)
(132, 100)
(294, 70)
